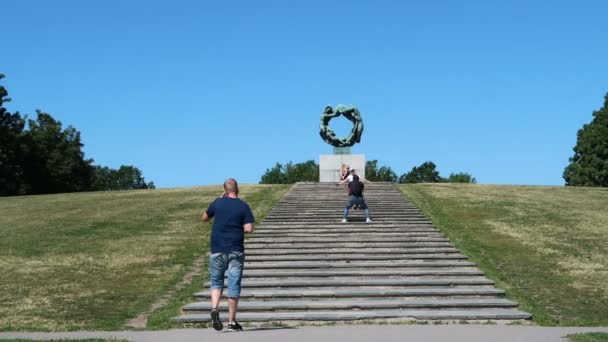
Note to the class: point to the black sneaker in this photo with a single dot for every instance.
(215, 318)
(234, 326)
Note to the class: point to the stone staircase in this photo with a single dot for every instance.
(302, 264)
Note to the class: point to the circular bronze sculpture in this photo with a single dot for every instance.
(349, 112)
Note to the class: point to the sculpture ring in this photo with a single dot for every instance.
(329, 136)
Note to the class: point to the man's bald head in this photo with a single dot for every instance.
(230, 185)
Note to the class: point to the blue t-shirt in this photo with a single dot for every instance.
(227, 234)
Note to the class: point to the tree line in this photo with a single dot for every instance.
(39, 156)
(308, 171)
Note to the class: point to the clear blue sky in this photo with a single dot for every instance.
(192, 92)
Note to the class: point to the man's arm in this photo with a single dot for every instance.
(206, 217)
(248, 227)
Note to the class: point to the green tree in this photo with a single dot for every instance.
(11, 148)
(379, 174)
(461, 177)
(127, 177)
(425, 173)
(589, 165)
(289, 173)
(55, 161)
(274, 175)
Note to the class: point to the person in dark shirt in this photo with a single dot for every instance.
(355, 196)
(233, 218)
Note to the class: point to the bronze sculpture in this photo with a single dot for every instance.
(351, 113)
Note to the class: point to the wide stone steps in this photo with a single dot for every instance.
(357, 272)
(303, 264)
(365, 292)
(357, 281)
(360, 304)
(350, 251)
(340, 264)
(442, 256)
(358, 315)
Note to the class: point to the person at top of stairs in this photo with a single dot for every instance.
(344, 172)
(355, 196)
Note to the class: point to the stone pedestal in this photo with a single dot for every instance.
(329, 165)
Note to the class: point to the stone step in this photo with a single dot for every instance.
(345, 238)
(331, 224)
(352, 315)
(281, 231)
(340, 251)
(302, 214)
(303, 211)
(393, 271)
(359, 304)
(364, 292)
(334, 257)
(336, 265)
(387, 235)
(338, 244)
(339, 225)
(344, 281)
(323, 218)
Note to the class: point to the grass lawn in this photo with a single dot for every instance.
(546, 246)
(93, 260)
(589, 337)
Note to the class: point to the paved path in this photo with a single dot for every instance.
(384, 333)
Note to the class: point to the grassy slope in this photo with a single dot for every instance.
(589, 337)
(93, 260)
(546, 246)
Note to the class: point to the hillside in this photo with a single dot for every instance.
(93, 260)
(547, 246)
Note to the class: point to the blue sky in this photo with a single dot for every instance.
(193, 92)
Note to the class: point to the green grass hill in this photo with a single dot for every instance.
(546, 246)
(93, 260)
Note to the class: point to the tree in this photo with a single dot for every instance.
(127, 177)
(461, 177)
(425, 173)
(274, 175)
(382, 174)
(589, 165)
(307, 171)
(289, 173)
(42, 157)
(55, 161)
(11, 148)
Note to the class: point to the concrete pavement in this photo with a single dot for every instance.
(352, 333)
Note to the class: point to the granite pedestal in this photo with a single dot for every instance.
(329, 166)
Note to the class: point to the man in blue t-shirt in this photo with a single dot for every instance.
(233, 218)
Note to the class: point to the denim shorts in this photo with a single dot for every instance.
(355, 200)
(232, 262)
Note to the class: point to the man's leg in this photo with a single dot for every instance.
(351, 202)
(216, 294)
(217, 268)
(235, 274)
(233, 305)
(363, 205)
